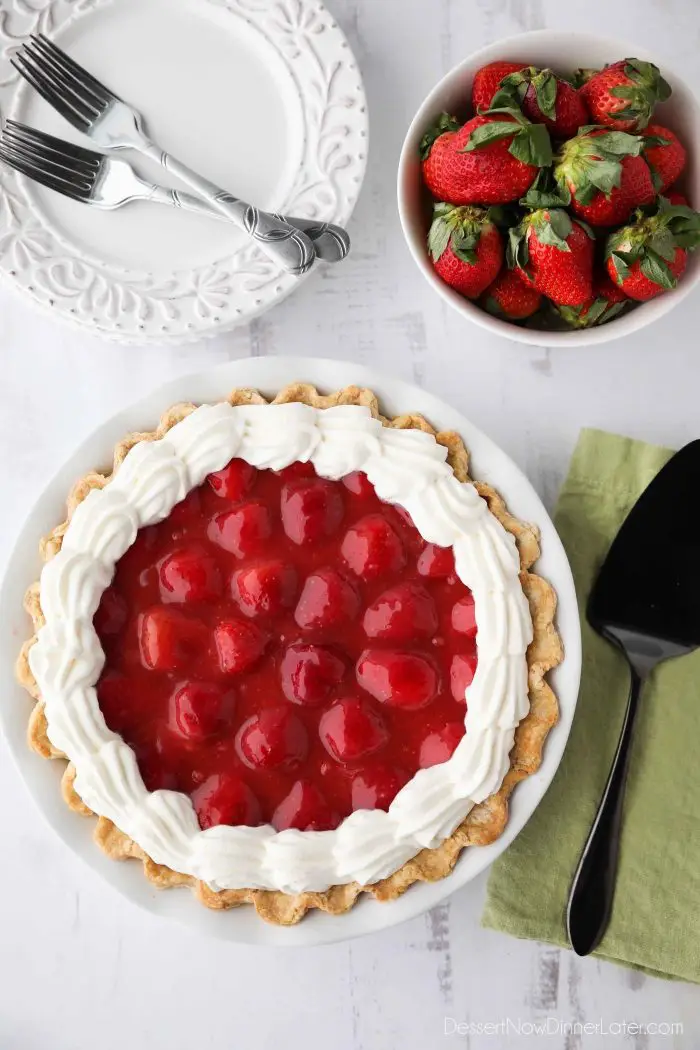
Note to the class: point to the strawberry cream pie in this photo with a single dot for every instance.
(290, 652)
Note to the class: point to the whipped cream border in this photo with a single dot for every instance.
(407, 467)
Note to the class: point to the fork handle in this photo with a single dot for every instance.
(593, 887)
(331, 243)
(287, 246)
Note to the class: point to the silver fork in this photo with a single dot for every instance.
(112, 124)
(108, 183)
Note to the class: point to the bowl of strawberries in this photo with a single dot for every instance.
(547, 188)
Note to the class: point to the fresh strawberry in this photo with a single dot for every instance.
(605, 175)
(647, 257)
(582, 75)
(555, 254)
(673, 197)
(552, 101)
(544, 98)
(466, 248)
(607, 301)
(511, 297)
(665, 155)
(623, 95)
(492, 159)
(604, 288)
(487, 81)
(591, 314)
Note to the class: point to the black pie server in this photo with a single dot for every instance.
(645, 602)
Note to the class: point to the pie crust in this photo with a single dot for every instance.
(484, 823)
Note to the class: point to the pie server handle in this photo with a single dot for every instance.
(593, 887)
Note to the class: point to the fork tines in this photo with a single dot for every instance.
(70, 89)
(59, 165)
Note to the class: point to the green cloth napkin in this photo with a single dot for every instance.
(655, 924)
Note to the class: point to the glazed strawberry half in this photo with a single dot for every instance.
(544, 98)
(492, 159)
(624, 94)
(487, 81)
(555, 254)
(608, 301)
(647, 257)
(605, 175)
(465, 247)
(511, 297)
(665, 155)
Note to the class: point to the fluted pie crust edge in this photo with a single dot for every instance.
(482, 825)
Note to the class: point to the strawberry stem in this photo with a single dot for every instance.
(444, 123)
(531, 142)
(460, 228)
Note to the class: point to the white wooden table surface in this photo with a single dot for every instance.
(79, 967)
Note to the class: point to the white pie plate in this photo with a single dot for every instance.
(262, 96)
(489, 463)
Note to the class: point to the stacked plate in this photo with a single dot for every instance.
(264, 99)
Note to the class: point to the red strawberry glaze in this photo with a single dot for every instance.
(376, 786)
(440, 745)
(285, 649)
(436, 561)
(235, 481)
(305, 809)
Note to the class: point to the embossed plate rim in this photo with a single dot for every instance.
(42, 264)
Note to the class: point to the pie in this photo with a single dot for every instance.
(290, 652)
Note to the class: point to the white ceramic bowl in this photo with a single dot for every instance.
(43, 778)
(563, 52)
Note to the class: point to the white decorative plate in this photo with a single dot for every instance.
(262, 96)
(490, 464)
